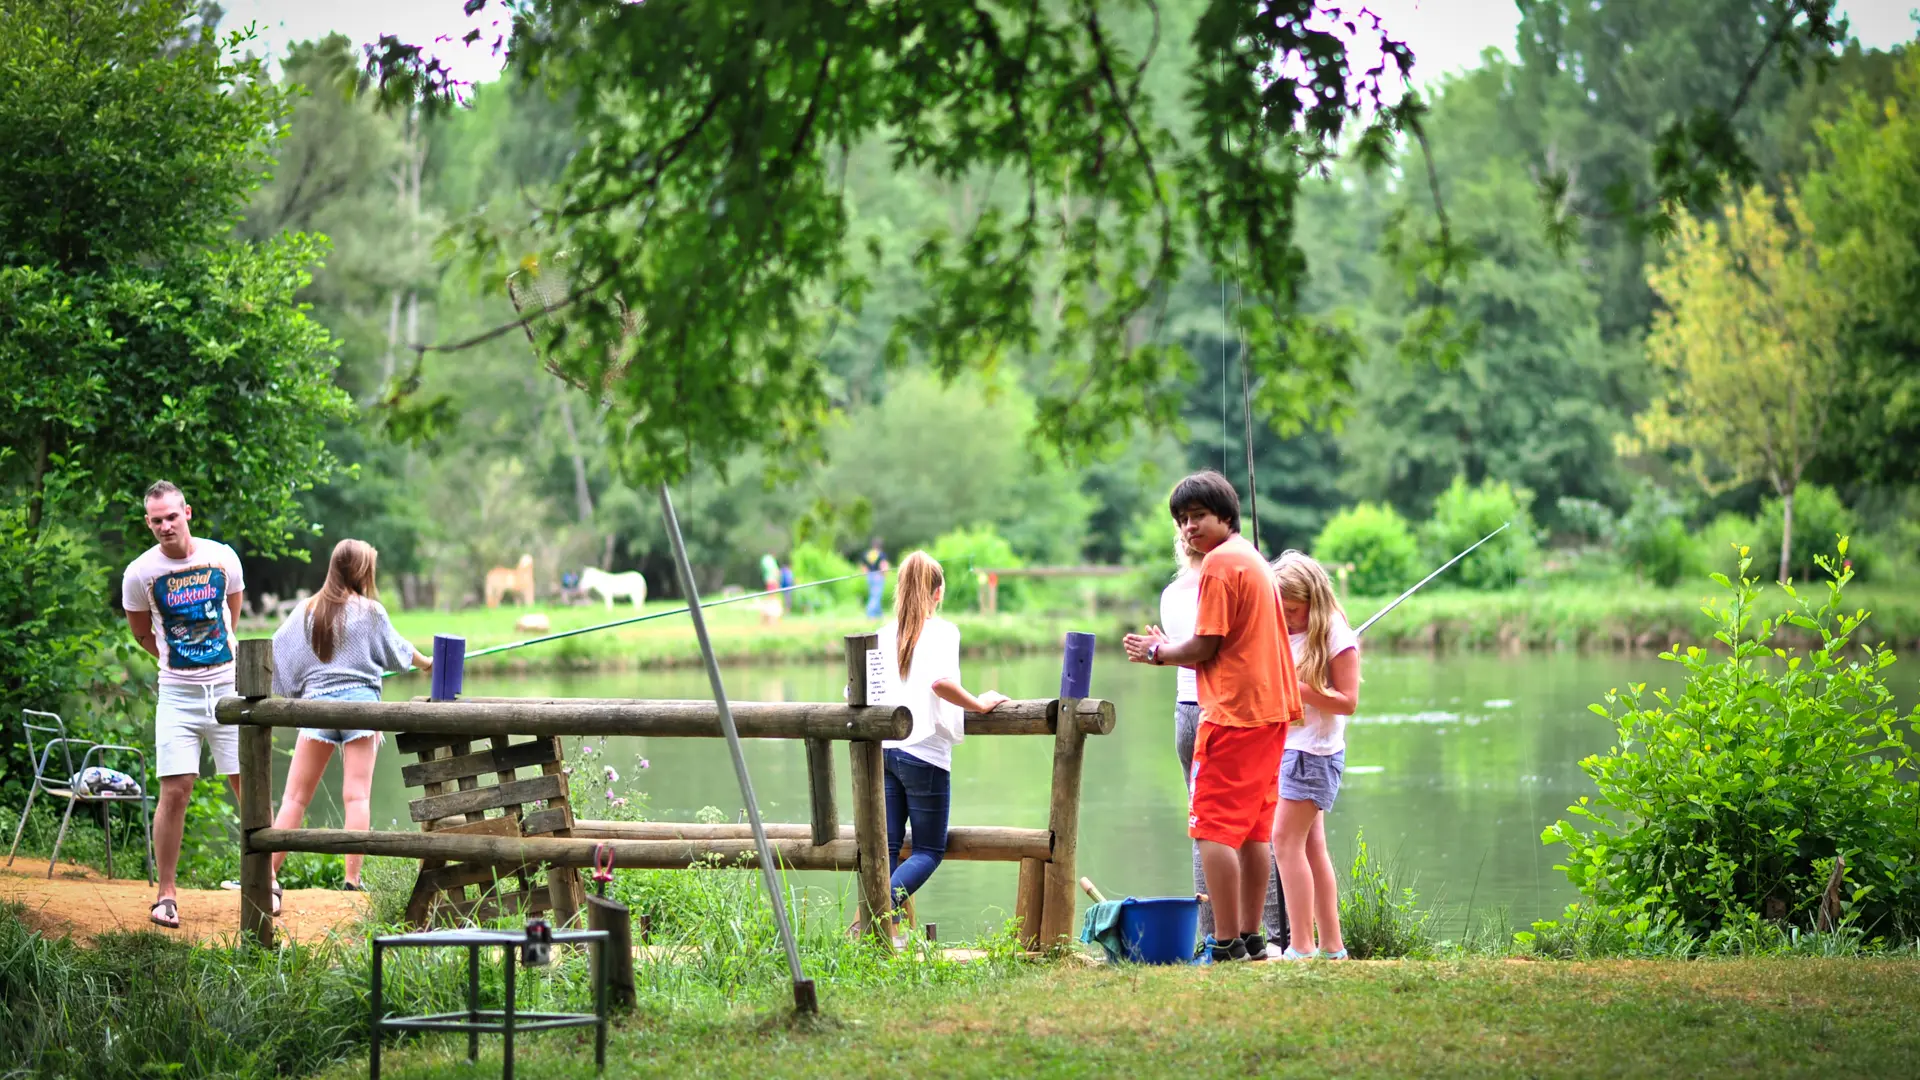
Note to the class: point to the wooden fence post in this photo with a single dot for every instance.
(1063, 819)
(1029, 901)
(869, 800)
(253, 680)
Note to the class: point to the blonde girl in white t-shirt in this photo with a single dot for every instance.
(1326, 655)
(922, 654)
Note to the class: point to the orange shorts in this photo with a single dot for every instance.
(1236, 783)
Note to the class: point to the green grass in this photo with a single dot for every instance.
(1451, 1018)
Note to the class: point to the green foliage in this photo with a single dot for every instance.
(1819, 519)
(1377, 541)
(1463, 515)
(1734, 796)
(125, 158)
(1587, 932)
(1655, 539)
(812, 562)
(51, 656)
(210, 842)
(966, 555)
(1380, 918)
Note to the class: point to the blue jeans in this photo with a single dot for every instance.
(876, 589)
(343, 736)
(923, 793)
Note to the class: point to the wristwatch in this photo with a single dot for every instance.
(1153, 653)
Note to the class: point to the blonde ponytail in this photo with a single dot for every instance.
(1300, 578)
(913, 603)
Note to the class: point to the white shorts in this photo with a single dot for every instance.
(183, 719)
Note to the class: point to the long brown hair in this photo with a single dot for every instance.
(913, 603)
(1299, 577)
(349, 574)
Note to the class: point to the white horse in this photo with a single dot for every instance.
(631, 583)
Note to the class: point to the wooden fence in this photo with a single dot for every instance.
(1044, 900)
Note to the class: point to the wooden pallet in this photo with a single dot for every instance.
(482, 791)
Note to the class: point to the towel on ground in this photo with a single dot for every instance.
(1101, 924)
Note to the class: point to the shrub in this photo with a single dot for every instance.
(1734, 796)
(1379, 917)
(1819, 517)
(1376, 540)
(1654, 537)
(814, 562)
(1717, 545)
(1463, 514)
(58, 629)
(966, 555)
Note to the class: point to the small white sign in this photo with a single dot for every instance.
(876, 675)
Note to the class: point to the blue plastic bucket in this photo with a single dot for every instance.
(1159, 929)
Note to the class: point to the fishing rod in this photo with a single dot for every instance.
(647, 618)
(1429, 577)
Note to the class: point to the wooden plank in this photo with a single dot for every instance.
(476, 718)
(820, 791)
(564, 851)
(493, 826)
(478, 799)
(256, 814)
(461, 875)
(253, 669)
(554, 819)
(518, 755)
(1029, 901)
(870, 836)
(1063, 819)
(965, 843)
(564, 887)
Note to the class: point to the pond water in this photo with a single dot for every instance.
(1454, 765)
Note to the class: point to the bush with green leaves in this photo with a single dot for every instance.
(1375, 539)
(1654, 538)
(1380, 917)
(1463, 514)
(1819, 516)
(1732, 798)
(965, 555)
(816, 562)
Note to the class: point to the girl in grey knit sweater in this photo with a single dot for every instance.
(335, 645)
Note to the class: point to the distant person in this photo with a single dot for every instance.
(1179, 607)
(922, 654)
(1326, 654)
(874, 562)
(786, 583)
(773, 605)
(182, 597)
(1248, 695)
(769, 573)
(334, 647)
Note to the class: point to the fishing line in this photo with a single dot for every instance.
(1423, 581)
(490, 650)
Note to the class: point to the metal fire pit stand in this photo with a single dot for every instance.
(474, 1020)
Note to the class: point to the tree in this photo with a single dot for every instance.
(138, 339)
(1750, 346)
(124, 161)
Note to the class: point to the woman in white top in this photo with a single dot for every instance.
(1179, 610)
(923, 673)
(1326, 655)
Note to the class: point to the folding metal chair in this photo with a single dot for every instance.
(61, 785)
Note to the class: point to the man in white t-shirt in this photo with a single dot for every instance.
(182, 597)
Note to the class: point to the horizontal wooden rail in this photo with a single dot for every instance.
(1030, 716)
(575, 716)
(555, 851)
(973, 843)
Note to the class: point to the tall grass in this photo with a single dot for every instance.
(1380, 916)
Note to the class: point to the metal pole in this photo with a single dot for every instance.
(803, 994)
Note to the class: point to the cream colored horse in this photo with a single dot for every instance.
(631, 583)
(501, 581)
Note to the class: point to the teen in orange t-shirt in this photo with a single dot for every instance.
(1248, 695)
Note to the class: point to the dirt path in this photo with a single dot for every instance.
(79, 901)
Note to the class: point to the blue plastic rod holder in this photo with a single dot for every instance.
(1076, 669)
(449, 665)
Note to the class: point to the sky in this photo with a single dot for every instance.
(1446, 35)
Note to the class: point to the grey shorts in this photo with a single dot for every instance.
(1312, 778)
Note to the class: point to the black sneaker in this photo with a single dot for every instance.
(1231, 949)
(1256, 943)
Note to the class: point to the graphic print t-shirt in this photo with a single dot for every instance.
(188, 600)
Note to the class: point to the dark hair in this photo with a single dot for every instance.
(1209, 491)
(162, 488)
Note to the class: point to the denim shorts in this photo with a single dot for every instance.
(343, 736)
(1312, 778)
